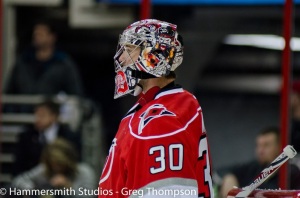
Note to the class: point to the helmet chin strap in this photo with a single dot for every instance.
(142, 75)
(137, 90)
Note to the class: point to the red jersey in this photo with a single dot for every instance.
(160, 150)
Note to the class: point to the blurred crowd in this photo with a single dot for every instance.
(48, 152)
(267, 148)
(48, 155)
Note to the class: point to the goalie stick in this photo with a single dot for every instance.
(288, 153)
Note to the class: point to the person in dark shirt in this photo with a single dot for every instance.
(43, 69)
(295, 112)
(45, 130)
(267, 149)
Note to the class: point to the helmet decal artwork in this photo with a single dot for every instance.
(124, 83)
(147, 49)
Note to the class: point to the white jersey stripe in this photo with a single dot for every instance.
(172, 91)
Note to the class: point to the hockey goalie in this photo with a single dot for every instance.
(161, 148)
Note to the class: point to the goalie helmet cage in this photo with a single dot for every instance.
(260, 193)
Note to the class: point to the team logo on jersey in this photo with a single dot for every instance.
(154, 111)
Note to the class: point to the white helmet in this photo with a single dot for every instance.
(160, 50)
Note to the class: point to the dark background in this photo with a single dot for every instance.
(232, 117)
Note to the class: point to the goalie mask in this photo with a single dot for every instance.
(146, 49)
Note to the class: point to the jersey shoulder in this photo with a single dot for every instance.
(167, 115)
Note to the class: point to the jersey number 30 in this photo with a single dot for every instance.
(175, 153)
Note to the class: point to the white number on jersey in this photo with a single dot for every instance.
(161, 157)
(205, 188)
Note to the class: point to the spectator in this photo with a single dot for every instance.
(59, 169)
(267, 149)
(43, 69)
(45, 130)
(295, 108)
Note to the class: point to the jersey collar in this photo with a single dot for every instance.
(144, 98)
(169, 89)
(154, 93)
